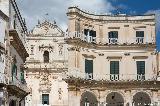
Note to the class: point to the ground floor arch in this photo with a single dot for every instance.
(141, 99)
(114, 99)
(12, 103)
(88, 99)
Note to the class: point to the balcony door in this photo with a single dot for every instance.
(114, 70)
(139, 37)
(90, 35)
(140, 70)
(89, 68)
(113, 37)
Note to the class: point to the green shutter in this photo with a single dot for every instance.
(22, 76)
(113, 34)
(139, 33)
(114, 67)
(14, 71)
(140, 67)
(88, 66)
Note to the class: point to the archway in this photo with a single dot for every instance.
(114, 99)
(12, 103)
(141, 99)
(88, 99)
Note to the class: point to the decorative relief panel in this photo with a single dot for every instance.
(46, 48)
(60, 46)
(45, 83)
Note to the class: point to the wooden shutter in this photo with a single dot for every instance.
(114, 67)
(139, 33)
(140, 67)
(88, 66)
(113, 34)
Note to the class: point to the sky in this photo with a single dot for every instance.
(34, 10)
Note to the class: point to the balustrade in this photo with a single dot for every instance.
(119, 41)
(110, 77)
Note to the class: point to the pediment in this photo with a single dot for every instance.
(47, 28)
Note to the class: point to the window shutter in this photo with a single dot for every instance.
(139, 33)
(114, 67)
(113, 34)
(140, 67)
(88, 66)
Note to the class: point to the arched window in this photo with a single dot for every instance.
(46, 57)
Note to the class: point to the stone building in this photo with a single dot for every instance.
(13, 88)
(112, 60)
(46, 62)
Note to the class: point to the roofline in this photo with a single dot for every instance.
(108, 15)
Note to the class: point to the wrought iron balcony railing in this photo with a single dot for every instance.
(119, 41)
(19, 83)
(110, 77)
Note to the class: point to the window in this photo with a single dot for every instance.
(89, 68)
(139, 36)
(46, 57)
(113, 36)
(45, 99)
(14, 72)
(86, 31)
(114, 70)
(140, 70)
(22, 77)
(91, 35)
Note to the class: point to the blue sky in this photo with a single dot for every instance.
(34, 10)
(137, 7)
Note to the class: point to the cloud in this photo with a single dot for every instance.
(157, 13)
(34, 10)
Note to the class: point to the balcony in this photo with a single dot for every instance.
(109, 41)
(139, 40)
(18, 87)
(110, 77)
(113, 40)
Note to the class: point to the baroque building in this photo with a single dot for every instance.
(47, 60)
(13, 87)
(112, 60)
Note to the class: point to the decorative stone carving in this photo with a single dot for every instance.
(44, 47)
(45, 84)
(60, 93)
(73, 48)
(60, 46)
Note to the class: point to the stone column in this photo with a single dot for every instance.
(154, 98)
(74, 98)
(128, 99)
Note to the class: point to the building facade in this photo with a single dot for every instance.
(112, 60)
(13, 53)
(47, 60)
(102, 60)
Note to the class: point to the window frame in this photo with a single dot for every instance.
(43, 100)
